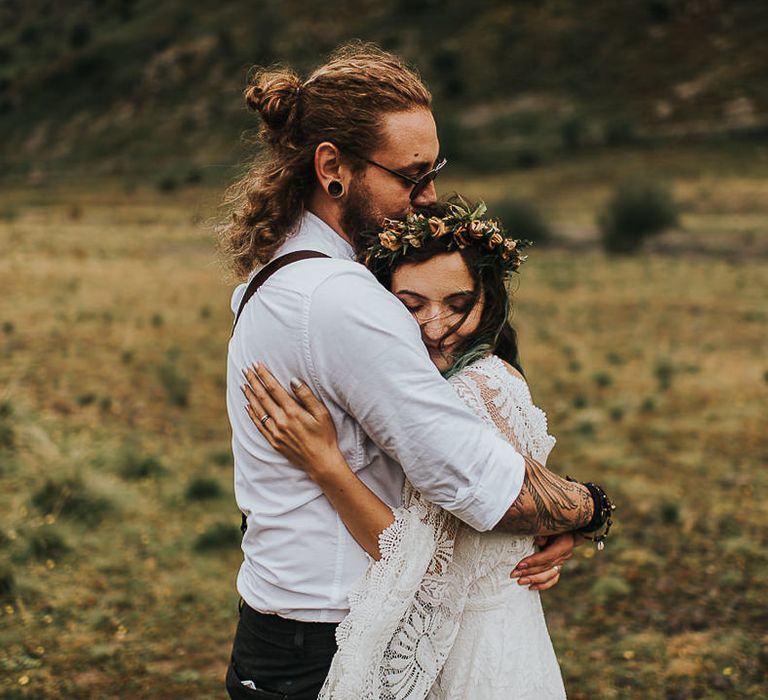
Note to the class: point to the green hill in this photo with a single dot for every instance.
(137, 87)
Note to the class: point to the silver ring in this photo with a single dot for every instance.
(557, 568)
(265, 418)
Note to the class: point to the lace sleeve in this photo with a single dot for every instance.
(404, 614)
(503, 400)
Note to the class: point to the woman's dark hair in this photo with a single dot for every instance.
(494, 333)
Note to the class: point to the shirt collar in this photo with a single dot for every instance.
(314, 234)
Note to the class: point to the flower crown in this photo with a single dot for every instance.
(465, 226)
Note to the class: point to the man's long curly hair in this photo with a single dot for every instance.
(342, 101)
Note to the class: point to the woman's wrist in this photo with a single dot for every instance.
(328, 466)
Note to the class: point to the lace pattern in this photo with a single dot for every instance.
(438, 578)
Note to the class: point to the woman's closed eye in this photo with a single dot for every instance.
(451, 309)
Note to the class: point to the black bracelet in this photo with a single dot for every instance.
(602, 514)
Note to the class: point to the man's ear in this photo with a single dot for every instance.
(332, 173)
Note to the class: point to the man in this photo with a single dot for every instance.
(350, 145)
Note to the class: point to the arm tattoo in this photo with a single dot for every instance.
(547, 504)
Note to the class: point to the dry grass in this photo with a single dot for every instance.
(652, 370)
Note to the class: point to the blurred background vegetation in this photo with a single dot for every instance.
(629, 140)
(134, 86)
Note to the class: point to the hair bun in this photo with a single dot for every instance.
(273, 94)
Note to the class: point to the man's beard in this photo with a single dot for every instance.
(360, 220)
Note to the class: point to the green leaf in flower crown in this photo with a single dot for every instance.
(481, 209)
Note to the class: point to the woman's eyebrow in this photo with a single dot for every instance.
(453, 295)
(462, 293)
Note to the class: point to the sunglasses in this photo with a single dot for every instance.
(419, 184)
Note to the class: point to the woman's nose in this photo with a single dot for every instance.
(434, 327)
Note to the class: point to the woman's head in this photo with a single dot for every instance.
(346, 104)
(452, 276)
(446, 300)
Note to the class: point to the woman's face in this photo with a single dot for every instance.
(438, 292)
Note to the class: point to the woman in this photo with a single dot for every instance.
(437, 614)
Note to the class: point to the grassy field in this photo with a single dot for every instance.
(118, 529)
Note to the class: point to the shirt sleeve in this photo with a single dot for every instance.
(366, 354)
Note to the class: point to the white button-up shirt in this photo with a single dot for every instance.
(330, 323)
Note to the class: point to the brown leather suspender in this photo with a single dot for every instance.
(268, 270)
(262, 276)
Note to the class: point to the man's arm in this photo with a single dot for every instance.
(365, 354)
(547, 504)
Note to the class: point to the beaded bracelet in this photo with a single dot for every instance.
(602, 514)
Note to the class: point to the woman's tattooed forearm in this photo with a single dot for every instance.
(547, 504)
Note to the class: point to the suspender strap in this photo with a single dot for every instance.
(262, 276)
(268, 270)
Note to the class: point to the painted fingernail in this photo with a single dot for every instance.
(256, 366)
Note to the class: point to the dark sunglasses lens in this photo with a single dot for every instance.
(424, 181)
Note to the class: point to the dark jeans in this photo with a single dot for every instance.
(285, 659)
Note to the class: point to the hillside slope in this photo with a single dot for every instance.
(130, 86)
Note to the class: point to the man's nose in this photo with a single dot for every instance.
(427, 196)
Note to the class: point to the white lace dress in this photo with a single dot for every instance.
(438, 616)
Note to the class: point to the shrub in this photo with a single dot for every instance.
(45, 543)
(79, 35)
(203, 489)
(602, 379)
(218, 536)
(70, 498)
(176, 385)
(573, 132)
(664, 372)
(222, 457)
(7, 437)
(522, 219)
(133, 466)
(608, 588)
(7, 582)
(616, 413)
(193, 177)
(167, 184)
(526, 158)
(579, 401)
(669, 512)
(619, 132)
(85, 399)
(638, 209)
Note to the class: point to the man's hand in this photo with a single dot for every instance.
(541, 570)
